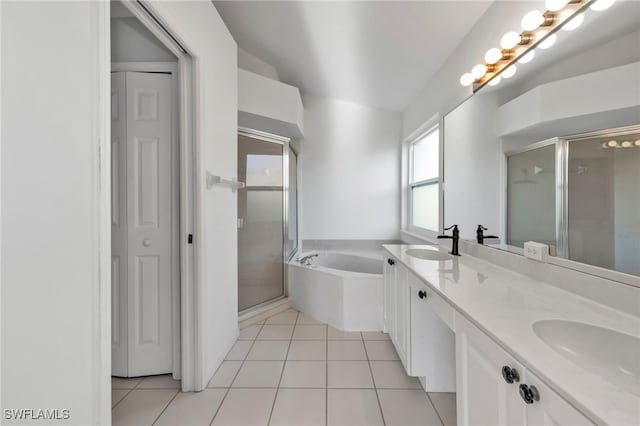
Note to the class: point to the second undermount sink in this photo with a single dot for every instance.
(426, 254)
(612, 355)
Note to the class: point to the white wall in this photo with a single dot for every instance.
(472, 167)
(198, 25)
(131, 41)
(249, 62)
(350, 164)
(270, 106)
(50, 282)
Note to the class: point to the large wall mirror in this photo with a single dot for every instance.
(552, 154)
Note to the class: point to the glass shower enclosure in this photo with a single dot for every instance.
(267, 229)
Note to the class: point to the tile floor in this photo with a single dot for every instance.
(291, 370)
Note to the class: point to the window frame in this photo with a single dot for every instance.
(429, 127)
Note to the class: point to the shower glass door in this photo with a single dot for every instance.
(260, 220)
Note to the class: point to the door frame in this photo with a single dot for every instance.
(191, 316)
(172, 69)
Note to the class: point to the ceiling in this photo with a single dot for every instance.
(376, 53)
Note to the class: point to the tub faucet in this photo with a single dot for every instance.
(455, 237)
(306, 260)
(480, 237)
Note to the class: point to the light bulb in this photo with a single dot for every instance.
(466, 79)
(510, 40)
(604, 145)
(548, 42)
(527, 58)
(532, 20)
(612, 144)
(495, 81)
(509, 72)
(637, 143)
(627, 144)
(555, 5)
(574, 23)
(478, 71)
(493, 55)
(601, 5)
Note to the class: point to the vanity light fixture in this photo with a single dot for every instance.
(624, 144)
(539, 30)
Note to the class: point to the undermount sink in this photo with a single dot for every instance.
(612, 355)
(427, 254)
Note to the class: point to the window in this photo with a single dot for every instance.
(424, 181)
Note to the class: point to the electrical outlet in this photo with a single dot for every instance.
(536, 251)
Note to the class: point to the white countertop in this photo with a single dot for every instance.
(505, 304)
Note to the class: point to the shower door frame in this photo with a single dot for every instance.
(286, 145)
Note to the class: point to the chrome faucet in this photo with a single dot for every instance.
(480, 237)
(306, 260)
(455, 236)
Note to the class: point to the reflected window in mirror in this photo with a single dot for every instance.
(424, 181)
(531, 200)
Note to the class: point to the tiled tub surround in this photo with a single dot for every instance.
(505, 304)
(292, 369)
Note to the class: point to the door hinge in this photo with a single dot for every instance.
(190, 239)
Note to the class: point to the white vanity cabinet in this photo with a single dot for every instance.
(412, 317)
(396, 306)
(551, 409)
(485, 396)
(433, 346)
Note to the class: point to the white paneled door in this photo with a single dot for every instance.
(141, 223)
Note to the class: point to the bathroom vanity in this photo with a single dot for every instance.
(524, 353)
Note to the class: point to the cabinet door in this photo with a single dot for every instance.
(388, 296)
(433, 344)
(551, 409)
(402, 316)
(483, 395)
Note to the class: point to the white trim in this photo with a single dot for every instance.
(191, 193)
(169, 67)
(102, 296)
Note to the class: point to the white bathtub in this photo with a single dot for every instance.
(342, 289)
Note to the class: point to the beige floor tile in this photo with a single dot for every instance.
(391, 375)
(310, 332)
(307, 350)
(192, 408)
(117, 395)
(375, 335)
(353, 407)
(225, 374)
(245, 407)
(335, 334)
(349, 374)
(259, 374)
(141, 406)
(445, 405)
(299, 407)
(275, 332)
(305, 319)
(381, 350)
(250, 332)
(304, 374)
(269, 350)
(407, 408)
(346, 350)
(164, 381)
(283, 318)
(125, 382)
(239, 350)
